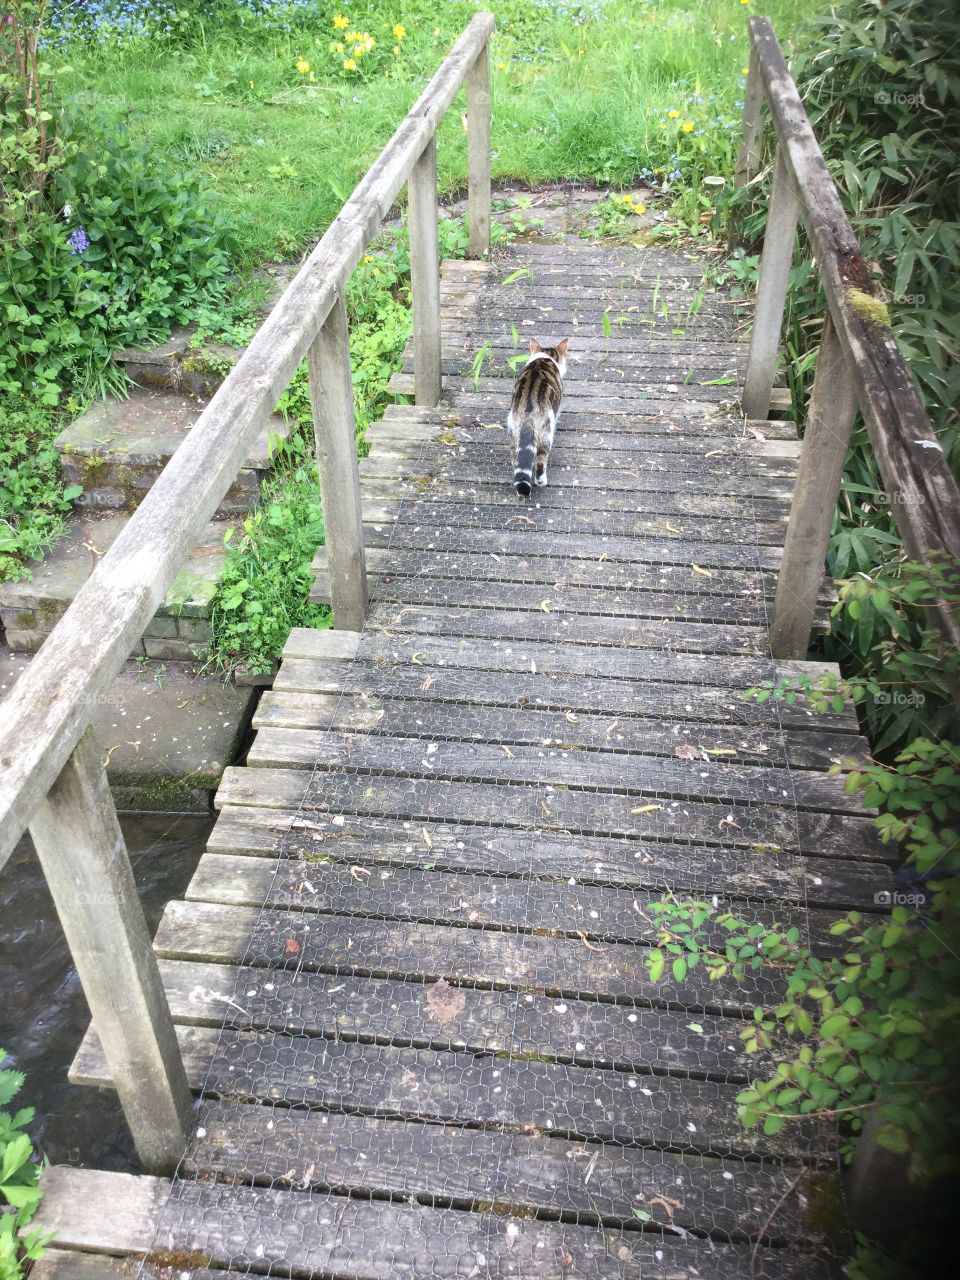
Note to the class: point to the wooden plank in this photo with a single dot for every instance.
(923, 493)
(467, 1168)
(87, 1209)
(425, 274)
(549, 809)
(780, 874)
(494, 959)
(695, 702)
(699, 779)
(457, 1087)
(85, 863)
(555, 731)
(499, 1020)
(47, 711)
(478, 154)
(331, 395)
(431, 896)
(347, 1238)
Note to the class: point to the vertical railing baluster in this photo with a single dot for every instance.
(331, 392)
(478, 154)
(768, 310)
(425, 277)
(833, 406)
(84, 859)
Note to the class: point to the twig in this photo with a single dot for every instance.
(773, 1213)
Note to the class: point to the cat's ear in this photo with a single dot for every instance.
(535, 345)
(562, 347)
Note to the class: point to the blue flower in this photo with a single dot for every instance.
(77, 240)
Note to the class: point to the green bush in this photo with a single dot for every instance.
(33, 501)
(19, 1174)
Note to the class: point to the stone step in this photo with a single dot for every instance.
(30, 610)
(117, 449)
(165, 732)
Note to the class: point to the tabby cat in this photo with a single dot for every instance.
(533, 415)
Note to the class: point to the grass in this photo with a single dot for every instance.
(571, 99)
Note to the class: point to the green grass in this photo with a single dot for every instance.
(570, 100)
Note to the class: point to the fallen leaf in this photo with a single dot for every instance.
(545, 606)
(672, 529)
(706, 573)
(720, 751)
(427, 682)
(444, 1002)
(357, 871)
(686, 752)
(426, 837)
(591, 946)
(415, 658)
(507, 752)
(292, 947)
(647, 808)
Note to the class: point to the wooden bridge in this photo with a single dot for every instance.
(402, 1023)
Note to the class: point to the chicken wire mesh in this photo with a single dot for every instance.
(441, 1051)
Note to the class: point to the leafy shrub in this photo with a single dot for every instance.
(33, 501)
(19, 1174)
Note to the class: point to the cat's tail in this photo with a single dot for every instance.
(526, 457)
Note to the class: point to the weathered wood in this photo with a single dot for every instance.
(775, 262)
(356, 1239)
(478, 154)
(552, 810)
(924, 495)
(84, 859)
(331, 393)
(833, 406)
(709, 778)
(536, 1173)
(45, 715)
(456, 1087)
(87, 1209)
(489, 959)
(748, 157)
(260, 832)
(425, 276)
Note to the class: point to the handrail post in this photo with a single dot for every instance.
(81, 850)
(425, 276)
(331, 394)
(775, 263)
(478, 153)
(748, 157)
(833, 406)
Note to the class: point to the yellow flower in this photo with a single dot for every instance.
(349, 64)
(303, 66)
(399, 31)
(501, 66)
(250, 83)
(673, 115)
(687, 126)
(639, 208)
(396, 50)
(341, 22)
(744, 1)
(744, 71)
(367, 257)
(351, 36)
(357, 51)
(436, 30)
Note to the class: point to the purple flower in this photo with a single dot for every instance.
(78, 241)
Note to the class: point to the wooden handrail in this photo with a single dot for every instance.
(860, 350)
(50, 777)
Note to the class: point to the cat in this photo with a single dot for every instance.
(533, 415)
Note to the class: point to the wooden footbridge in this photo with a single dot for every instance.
(402, 1023)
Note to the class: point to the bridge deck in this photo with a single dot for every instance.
(409, 974)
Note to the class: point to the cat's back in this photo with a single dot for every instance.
(538, 389)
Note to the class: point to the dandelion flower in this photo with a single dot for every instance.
(352, 36)
(349, 64)
(399, 31)
(744, 1)
(338, 48)
(501, 66)
(368, 257)
(340, 22)
(639, 208)
(673, 115)
(687, 126)
(744, 71)
(303, 66)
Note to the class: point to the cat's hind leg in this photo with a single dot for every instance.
(542, 456)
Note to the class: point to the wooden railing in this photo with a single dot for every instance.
(51, 775)
(859, 364)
